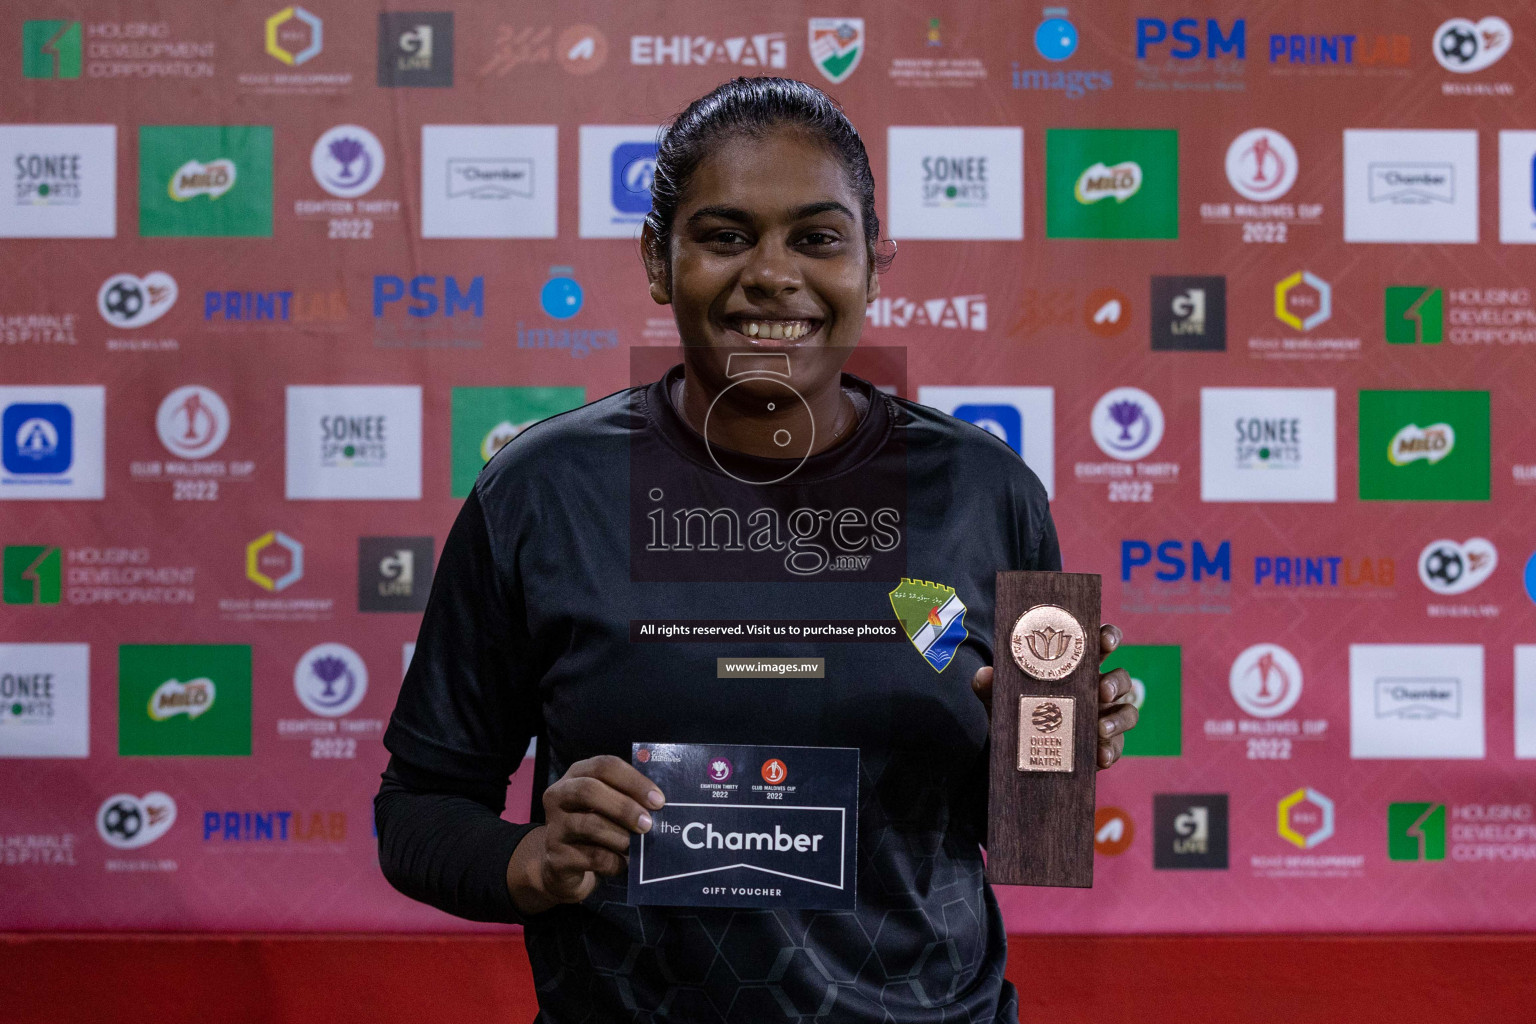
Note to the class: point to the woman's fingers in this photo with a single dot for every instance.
(1109, 638)
(981, 685)
(1115, 687)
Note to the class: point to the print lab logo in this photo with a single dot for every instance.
(330, 680)
(1189, 314)
(51, 49)
(1190, 830)
(63, 183)
(294, 36)
(394, 574)
(127, 301)
(1056, 40)
(192, 422)
(33, 574)
(1416, 831)
(837, 46)
(45, 692)
(128, 822)
(763, 50)
(1455, 567)
(956, 182)
(1127, 424)
(274, 826)
(1465, 47)
(1303, 300)
(1261, 165)
(1305, 818)
(347, 161)
(1265, 680)
(1416, 701)
(415, 49)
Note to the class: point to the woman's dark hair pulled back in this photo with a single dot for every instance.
(755, 108)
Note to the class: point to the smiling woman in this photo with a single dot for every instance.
(665, 503)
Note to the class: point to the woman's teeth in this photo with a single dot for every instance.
(776, 330)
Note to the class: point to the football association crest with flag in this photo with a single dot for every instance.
(933, 616)
(836, 46)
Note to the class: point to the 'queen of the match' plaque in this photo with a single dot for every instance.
(1045, 716)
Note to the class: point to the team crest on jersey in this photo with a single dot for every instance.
(836, 46)
(933, 616)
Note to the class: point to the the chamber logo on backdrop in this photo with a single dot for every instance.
(1111, 183)
(1424, 445)
(1056, 40)
(618, 163)
(52, 442)
(578, 50)
(836, 46)
(184, 700)
(45, 692)
(956, 183)
(482, 420)
(205, 181)
(63, 181)
(1156, 672)
(128, 822)
(767, 50)
(1450, 567)
(394, 574)
(1189, 314)
(128, 301)
(1410, 185)
(1517, 187)
(361, 442)
(415, 49)
(331, 680)
(1267, 444)
(1416, 701)
(1189, 831)
(488, 181)
(1022, 418)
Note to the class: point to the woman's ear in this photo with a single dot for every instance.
(655, 266)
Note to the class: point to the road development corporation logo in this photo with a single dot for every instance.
(127, 301)
(294, 36)
(1189, 314)
(1466, 47)
(184, 700)
(330, 680)
(1455, 567)
(1022, 418)
(205, 181)
(1267, 444)
(837, 46)
(63, 181)
(45, 692)
(1265, 680)
(52, 443)
(1425, 445)
(1189, 831)
(618, 163)
(956, 183)
(1416, 701)
(347, 161)
(488, 181)
(1261, 165)
(193, 422)
(415, 49)
(1127, 424)
(1303, 300)
(274, 561)
(1305, 818)
(394, 574)
(129, 822)
(1111, 183)
(354, 442)
(1410, 186)
(933, 617)
(1416, 831)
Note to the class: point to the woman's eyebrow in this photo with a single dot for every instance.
(737, 215)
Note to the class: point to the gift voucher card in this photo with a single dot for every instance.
(748, 826)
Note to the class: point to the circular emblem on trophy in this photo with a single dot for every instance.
(1047, 718)
(1047, 642)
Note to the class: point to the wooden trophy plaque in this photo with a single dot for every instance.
(1045, 717)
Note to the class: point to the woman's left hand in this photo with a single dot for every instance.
(1116, 712)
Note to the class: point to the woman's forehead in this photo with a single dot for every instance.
(780, 175)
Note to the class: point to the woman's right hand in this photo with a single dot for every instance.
(589, 816)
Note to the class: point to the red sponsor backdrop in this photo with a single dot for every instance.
(1013, 313)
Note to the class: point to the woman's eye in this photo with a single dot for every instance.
(820, 238)
(729, 237)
